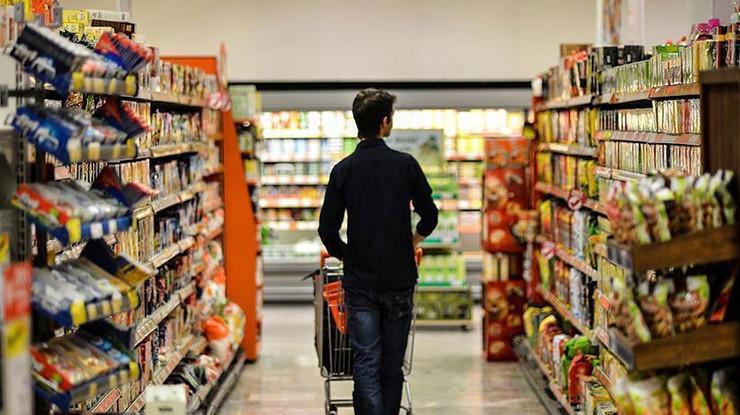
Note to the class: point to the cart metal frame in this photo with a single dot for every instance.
(337, 365)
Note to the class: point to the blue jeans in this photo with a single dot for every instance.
(379, 323)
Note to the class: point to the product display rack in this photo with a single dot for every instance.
(540, 380)
(114, 390)
(599, 257)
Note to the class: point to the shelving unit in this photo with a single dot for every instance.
(703, 247)
(138, 232)
(650, 138)
(563, 310)
(710, 343)
(562, 253)
(241, 232)
(540, 380)
(624, 157)
(569, 149)
(574, 197)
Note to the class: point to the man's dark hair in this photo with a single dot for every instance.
(369, 108)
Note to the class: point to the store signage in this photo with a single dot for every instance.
(425, 145)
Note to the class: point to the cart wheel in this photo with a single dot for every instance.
(333, 410)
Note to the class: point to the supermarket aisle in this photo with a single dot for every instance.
(449, 376)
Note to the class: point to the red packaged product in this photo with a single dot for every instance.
(581, 366)
(504, 304)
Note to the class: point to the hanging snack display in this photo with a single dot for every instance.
(666, 206)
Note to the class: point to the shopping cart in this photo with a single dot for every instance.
(332, 336)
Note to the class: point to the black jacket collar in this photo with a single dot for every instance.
(371, 143)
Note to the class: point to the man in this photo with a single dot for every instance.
(375, 185)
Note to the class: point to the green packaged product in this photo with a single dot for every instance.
(679, 389)
(724, 391)
(638, 328)
(707, 205)
(641, 231)
(573, 347)
(649, 397)
(545, 276)
(660, 195)
(725, 197)
(621, 395)
(699, 402)
(712, 199)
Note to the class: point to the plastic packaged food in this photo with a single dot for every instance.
(689, 302)
(649, 397)
(724, 389)
(622, 397)
(653, 300)
(679, 389)
(699, 386)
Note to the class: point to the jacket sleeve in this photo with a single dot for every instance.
(332, 215)
(421, 197)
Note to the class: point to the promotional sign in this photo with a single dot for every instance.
(425, 145)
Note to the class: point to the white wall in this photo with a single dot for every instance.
(289, 40)
(670, 19)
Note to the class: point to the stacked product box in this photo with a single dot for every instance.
(505, 199)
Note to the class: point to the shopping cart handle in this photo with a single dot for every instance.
(312, 275)
(418, 254)
(324, 256)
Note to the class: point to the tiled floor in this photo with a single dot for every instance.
(449, 375)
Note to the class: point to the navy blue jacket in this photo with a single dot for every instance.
(376, 185)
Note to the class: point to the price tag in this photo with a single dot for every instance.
(548, 250)
(576, 198)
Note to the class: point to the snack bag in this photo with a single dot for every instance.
(649, 397)
(653, 299)
(725, 197)
(582, 365)
(217, 333)
(721, 303)
(707, 204)
(689, 302)
(572, 348)
(235, 320)
(528, 318)
(621, 395)
(635, 203)
(558, 345)
(629, 319)
(724, 389)
(681, 211)
(679, 389)
(699, 403)
(660, 194)
(713, 200)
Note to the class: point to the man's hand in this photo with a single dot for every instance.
(418, 239)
